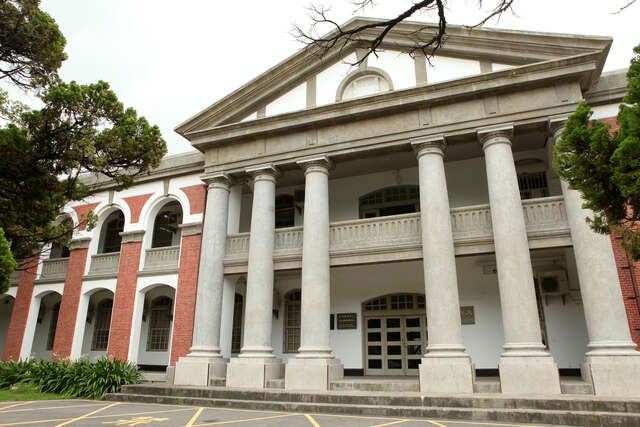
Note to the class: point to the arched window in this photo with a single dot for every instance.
(110, 238)
(396, 200)
(364, 82)
(160, 324)
(236, 334)
(285, 211)
(58, 250)
(166, 231)
(52, 326)
(103, 324)
(292, 321)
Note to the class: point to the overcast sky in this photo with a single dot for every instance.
(171, 59)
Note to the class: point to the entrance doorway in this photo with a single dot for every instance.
(395, 334)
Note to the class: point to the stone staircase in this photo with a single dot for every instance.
(576, 410)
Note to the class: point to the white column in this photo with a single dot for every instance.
(204, 360)
(315, 366)
(256, 363)
(525, 365)
(229, 288)
(611, 363)
(445, 367)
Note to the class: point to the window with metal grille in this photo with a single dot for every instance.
(396, 200)
(236, 334)
(285, 211)
(166, 231)
(103, 324)
(292, 322)
(52, 326)
(533, 185)
(111, 238)
(159, 325)
(395, 302)
(376, 304)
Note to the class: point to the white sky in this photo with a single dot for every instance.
(171, 59)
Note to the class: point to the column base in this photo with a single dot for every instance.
(446, 375)
(613, 375)
(312, 374)
(245, 372)
(198, 371)
(529, 375)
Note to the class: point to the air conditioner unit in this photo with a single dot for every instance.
(553, 282)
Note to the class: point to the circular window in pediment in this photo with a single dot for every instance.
(363, 83)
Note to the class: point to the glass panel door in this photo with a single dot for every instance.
(414, 333)
(395, 349)
(373, 348)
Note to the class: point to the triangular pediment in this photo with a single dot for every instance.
(499, 49)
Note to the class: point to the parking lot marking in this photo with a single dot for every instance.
(14, 405)
(484, 423)
(87, 415)
(391, 423)
(135, 421)
(436, 423)
(52, 407)
(248, 419)
(311, 420)
(194, 418)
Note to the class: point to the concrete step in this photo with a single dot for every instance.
(576, 386)
(217, 382)
(154, 376)
(542, 416)
(276, 383)
(368, 384)
(486, 385)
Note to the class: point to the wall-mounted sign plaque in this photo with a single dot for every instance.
(467, 316)
(347, 320)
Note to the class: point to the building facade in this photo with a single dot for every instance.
(399, 217)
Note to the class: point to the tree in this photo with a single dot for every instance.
(7, 263)
(605, 166)
(80, 129)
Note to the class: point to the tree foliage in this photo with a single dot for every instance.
(605, 166)
(7, 263)
(80, 129)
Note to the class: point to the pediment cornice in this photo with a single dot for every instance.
(495, 45)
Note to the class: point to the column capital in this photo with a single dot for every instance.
(80, 243)
(217, 180)
(316, 164)
(555, 125)
(264, 173)
(190, 229)
(434, 144)
(132, 236)
(495, 135)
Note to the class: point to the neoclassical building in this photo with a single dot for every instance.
(399, 217)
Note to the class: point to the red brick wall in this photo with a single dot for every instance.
(82, 211)
(69, 304)
(629, 273)
(121, 318)
(186, 297)
(196, 195)
(20, 312)
(136, 203)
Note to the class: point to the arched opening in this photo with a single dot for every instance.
(157, 323)
(110, 239)
(292, 312)
(285, 211)
(369, 81)
(166, 230)
(400, 199)
(98, 324)
(6, 308)
(395, 334)
(59, 250)
(46, 325)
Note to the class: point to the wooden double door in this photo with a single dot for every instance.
(394, 344)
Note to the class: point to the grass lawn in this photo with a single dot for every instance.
(27, 392)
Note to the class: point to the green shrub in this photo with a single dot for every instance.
(81, 378)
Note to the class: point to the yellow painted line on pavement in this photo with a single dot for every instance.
(194, 418)
(484, 423)
(391, 423)
(14, 405)
(436, 423)
(52, 407)
(245, 420)
(81, 417)
(311, 420)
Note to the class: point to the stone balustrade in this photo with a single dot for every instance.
(398, 237)
(105, 263)
(165, 258)
(55, 268)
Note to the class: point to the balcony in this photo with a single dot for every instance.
(105, 264)
(162, 259)
(398, 237)
(54, 270)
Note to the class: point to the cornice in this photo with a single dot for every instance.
(576, 68)
(504, 46)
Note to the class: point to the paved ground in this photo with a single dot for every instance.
(98, 413)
